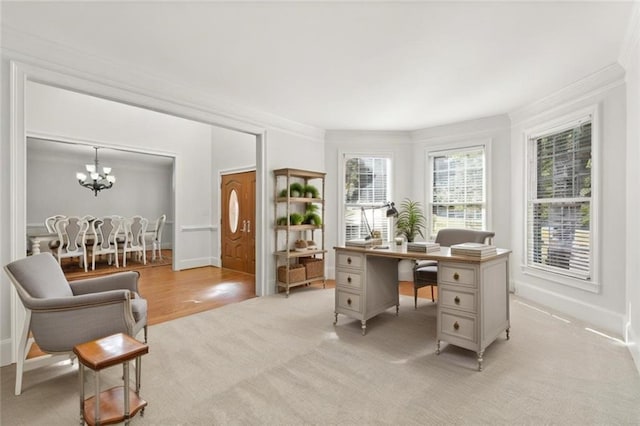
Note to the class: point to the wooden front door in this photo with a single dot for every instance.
(237, 221)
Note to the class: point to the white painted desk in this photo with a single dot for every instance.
(473, 294)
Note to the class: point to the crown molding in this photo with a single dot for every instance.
(399, 136)
(34, 50)
(601, 81)
(632, 36)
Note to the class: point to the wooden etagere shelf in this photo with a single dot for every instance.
(296, 267)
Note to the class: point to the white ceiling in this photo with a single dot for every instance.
(347, 65)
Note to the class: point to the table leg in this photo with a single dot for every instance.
(81, 376)
(126, 392)
(35, 246)
(96, 397)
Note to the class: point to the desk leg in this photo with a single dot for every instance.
(335, 320)
(364, 327)
(480, 360)
(96, 415)
(438, 347)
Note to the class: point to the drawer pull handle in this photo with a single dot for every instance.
(457, 300)
(456, 326)
(349, 260)
(456, 276)
(349, 280)
(349, 302)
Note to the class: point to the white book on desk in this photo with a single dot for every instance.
(473, 250)
(423, 247)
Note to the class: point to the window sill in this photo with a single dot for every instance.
(585, 285)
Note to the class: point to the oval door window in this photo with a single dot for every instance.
(234, 211)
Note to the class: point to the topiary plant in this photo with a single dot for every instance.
(311, 191)
(296, 189)
(296, 218)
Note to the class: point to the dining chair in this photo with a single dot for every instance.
(134, 229)
(156, 239)
(50, 222)
(105, 232)
(425, 272)
(72, 234)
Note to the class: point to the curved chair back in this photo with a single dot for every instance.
(72, 232)
(450, 236)
(160, 227)
(106, 230)
(50, 222)
(135, 229)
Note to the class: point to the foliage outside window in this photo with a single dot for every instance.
(367, 183)
(458, 189)
(559, 212)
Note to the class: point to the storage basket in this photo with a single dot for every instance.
(314, 266)
(296, 273)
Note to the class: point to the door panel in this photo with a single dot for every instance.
(237, 222)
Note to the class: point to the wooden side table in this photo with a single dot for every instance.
(118, 403)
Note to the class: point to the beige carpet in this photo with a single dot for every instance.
(275, 361)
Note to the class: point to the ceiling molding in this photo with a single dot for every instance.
(394, 136)
(37, 51)
(632, 36)
(603, 80)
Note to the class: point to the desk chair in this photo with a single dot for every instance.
(425, 272)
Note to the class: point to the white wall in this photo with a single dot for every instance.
(65, 115)
(232, 151)
(633, 191)
(143, 186)
(606, 308)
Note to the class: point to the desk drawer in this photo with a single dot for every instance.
(456, 274)
(350, 301)
(458, 326)
(453, 298)
(350, 260)
(348, 278)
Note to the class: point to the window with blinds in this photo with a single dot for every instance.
(458, 189)
(559, 212)
(367, 183)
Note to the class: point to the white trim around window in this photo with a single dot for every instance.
(591, 281)
(342, 156)
(456, 147)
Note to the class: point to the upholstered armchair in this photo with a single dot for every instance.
(61, 314)
(425, 272)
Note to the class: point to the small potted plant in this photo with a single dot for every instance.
(311, 191)
(296, 189)
(411, 220)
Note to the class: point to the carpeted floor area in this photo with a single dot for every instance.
(276, 360)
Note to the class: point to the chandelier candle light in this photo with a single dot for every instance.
(96, 181)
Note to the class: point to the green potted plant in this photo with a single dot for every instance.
(296, 189)
(311, 216)
(411, 220)
(311, 191)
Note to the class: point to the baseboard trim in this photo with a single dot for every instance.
(194, 263)
(6, 357)
(603, 319)
(634, 348)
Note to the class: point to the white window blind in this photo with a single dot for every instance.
(458, 189)
(559, 203)
(366, 187)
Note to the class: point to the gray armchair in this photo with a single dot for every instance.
(61, 314)
(425, 273)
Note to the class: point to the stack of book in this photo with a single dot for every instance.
(476, 250)
(420, 247)
(364, 243)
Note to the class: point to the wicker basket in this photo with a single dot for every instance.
(296, 273)
(314, 266)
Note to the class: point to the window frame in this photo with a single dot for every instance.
(449, 148)
(346, 155)
(551, 126)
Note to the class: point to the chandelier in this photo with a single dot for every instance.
(96, 181)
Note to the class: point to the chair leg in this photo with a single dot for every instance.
(145, 333)
(415, 297)
(432, 298)
(23, 349)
